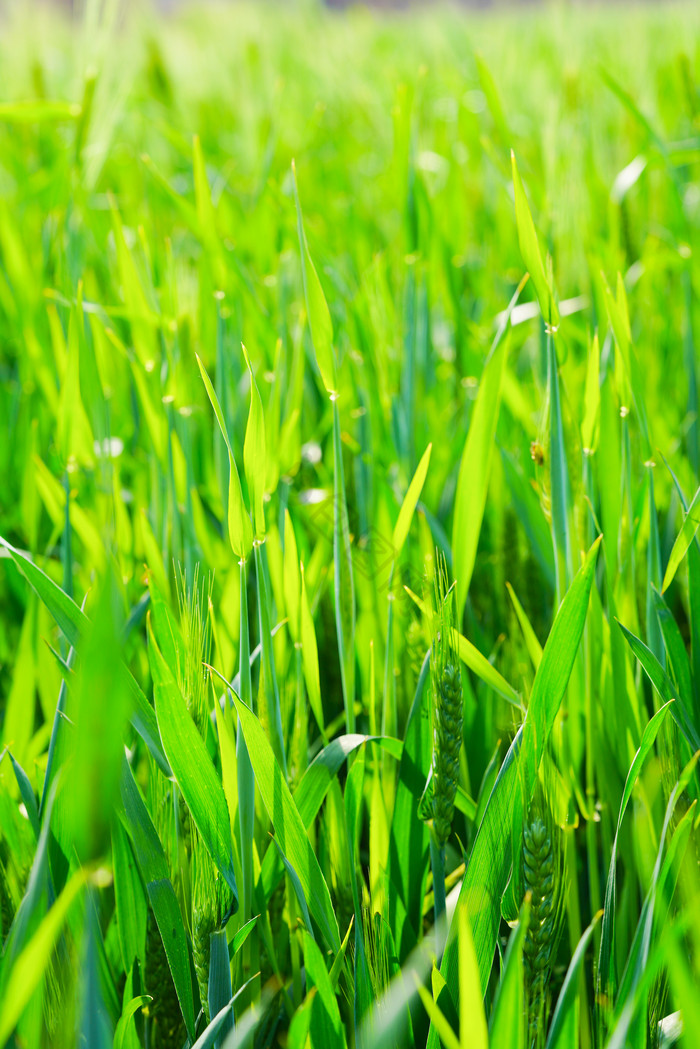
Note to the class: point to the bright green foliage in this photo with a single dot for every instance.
(306, 316)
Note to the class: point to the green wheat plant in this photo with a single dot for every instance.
(349, 548)
(447, 716)
(543, 879)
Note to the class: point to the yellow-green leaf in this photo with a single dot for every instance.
(408, 505)
(309, 655)
(254, 453)
(192, 767)
(240, 529)
(292, 578)
(29, 968)
(205, 211)
(691, 521)
(530, 250)
(316, 305)
(472, 1020)
(289, 829)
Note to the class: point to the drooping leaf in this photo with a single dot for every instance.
(127, 1016)
(474, 659)
(663, 685)
(27, 795)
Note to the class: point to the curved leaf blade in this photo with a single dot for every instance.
(489, 863)
(192, 767)
(317, 308)
(288, 825)
(154, 870)
(559, 1036)
(240, 529)
(73, 623)
(255, 453)
(475, 465)
(410, 502)
(530, 249)
(691, 522)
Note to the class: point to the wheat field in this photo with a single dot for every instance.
(349, 567)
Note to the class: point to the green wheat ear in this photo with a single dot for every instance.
(378, 950)
(446, 680)
(206, 917)
(416, 646)
(543, 878)
(193, 600)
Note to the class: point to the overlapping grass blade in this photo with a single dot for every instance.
(288, 825)
(192, 768)
(489, 861)
(74, 623)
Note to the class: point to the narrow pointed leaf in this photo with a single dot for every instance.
(561, 1027)
(606, 975)
(530, 250)
(410, 500)
(475, 660)
(31, 964)
(663, 685)
(289, 829)
(316, 305)
(691, 521)
(192, 767)
(154, 870)
(127, 1016)
(74, 624)
(254, 453)
(489, 863)
(508, 1017)
(475, 465)
(240, 529)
